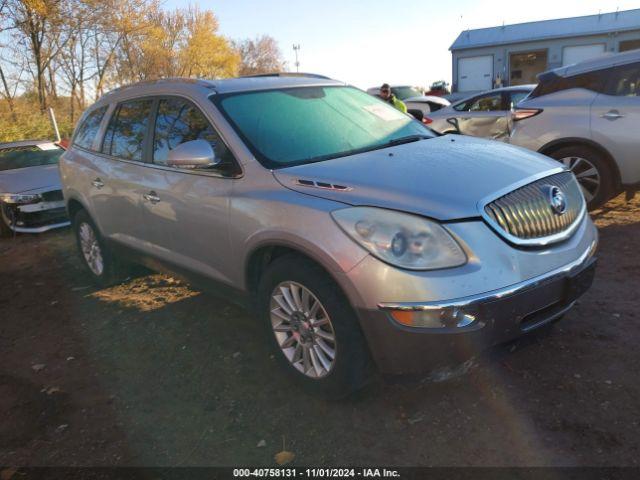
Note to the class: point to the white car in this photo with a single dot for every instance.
(30, 192)
(414, 99)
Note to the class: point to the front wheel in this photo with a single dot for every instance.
(95, 254)
(312, 328)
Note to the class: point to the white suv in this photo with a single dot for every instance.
(586, 116)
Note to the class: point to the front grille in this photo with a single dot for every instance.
(52, 196)
(526, 216)
(41, 219)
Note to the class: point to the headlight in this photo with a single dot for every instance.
(401, 239)
(20, 198)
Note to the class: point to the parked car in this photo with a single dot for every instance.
(30, 191)
(586, 116)
(413, 98)
(487, 114)
(439, 89)
(358, 235)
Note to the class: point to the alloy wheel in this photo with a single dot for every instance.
(303, 329)
(587, 175)
(90, 247)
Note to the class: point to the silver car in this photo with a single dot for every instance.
(359, 237)
(30, 191)
(487, 114)
(586, 116)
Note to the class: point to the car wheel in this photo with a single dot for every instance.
(592, 171)
(96, 256)
(5, 231)
(312, 328)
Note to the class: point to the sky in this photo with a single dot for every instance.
(366, 43)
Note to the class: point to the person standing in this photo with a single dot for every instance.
(390, 98)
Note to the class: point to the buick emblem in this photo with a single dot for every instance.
(557, 200)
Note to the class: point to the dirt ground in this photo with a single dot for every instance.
(154, 373)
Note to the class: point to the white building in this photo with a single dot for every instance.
(516, 54)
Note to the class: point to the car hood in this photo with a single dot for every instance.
(31, 178)
(443, 178)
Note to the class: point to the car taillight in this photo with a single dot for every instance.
(427, 120)
(522, 113)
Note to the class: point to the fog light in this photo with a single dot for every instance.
(436, 318)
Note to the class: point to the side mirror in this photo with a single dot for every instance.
(454, 121)
(192, 154)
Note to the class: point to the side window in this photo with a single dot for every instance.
(463, 106)
(88, 129)
(624, 81)
(488, 103)
(593, 81)
(179, 121)
(127, 129)
(517, 97)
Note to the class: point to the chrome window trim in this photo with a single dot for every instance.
(202, 173)
(530, 242)
(113, 105)
(481, 298)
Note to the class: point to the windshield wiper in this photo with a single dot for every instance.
(407, 139)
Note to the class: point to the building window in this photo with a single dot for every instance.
(524, 67)
(629, 45)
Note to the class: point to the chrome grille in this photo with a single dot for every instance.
(525, 215)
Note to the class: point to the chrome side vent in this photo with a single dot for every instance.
(323, 185)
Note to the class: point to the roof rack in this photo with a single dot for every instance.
(196, 81)
(288, 74)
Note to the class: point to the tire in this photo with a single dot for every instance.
(5, 231)
(578, 158)
(111, 271)
(351, 367)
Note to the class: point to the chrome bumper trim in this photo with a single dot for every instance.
(40, 229)
(494, 294)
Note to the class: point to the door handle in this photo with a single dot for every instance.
(612, 115)
(98, 183)
(151, 197)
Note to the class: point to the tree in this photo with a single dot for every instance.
(5, 85)
(41, 23)
(206, 54)
(260, 55)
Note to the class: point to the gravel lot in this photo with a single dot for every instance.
(155, 373)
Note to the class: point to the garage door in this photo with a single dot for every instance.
(475, 73)
(581, 53)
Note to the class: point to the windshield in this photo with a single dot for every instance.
(308, 124)
(405, 92)
(22, 157)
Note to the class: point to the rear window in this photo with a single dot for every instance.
(23, 157)
(88, 129)
(552, 83)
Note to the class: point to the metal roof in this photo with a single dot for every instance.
(549, 29)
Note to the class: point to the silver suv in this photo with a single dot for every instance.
(359, 236)
(586, 116)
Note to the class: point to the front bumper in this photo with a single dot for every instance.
(35, 218)
(500, 315)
